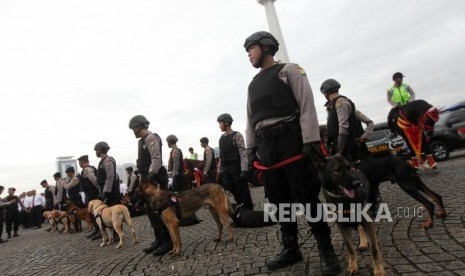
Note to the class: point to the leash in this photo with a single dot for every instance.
(281, 164)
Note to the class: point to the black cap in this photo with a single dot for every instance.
(70, 169)
(84, 158)
(397, 75)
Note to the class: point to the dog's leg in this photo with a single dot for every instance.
(118, 228)
(128, 220)
(376, 257)
(172, 223)
(441, 213)
(352, 266)
(223, 208)
(363, 243)
(414, 192)
(216, 217)
(110, 235)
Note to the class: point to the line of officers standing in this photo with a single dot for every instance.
(281, 124)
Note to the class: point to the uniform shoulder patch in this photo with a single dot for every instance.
(301, 70)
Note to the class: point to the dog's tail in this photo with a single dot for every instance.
(228, 205)
(127, 216)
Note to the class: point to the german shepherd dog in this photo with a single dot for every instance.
(398, 171)
(173, 207)
(341, 184)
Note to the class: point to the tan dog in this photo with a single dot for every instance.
(112, 217)
(54, 217)
(190, 201)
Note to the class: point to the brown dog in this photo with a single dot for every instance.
(188, 203)
(112, 217)
(77, 215)
(54, 217)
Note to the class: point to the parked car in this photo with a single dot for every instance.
(381, 144)
(449, 132)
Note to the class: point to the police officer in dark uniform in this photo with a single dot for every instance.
(176, 164)
(106, 175)
(281, 124)
(73, 187)
(209, 162)
(90, 188)
(149, 164)
(345, 134)
(49, 195)
(233, 164)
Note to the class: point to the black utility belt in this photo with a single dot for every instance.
(277, 129)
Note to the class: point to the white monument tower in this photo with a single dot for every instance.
(273, 24)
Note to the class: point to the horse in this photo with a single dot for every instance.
(415, 123)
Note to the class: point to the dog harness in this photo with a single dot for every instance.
(174, 200)
(99, 216)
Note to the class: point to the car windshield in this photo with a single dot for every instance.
(443, 118)
(377, 135)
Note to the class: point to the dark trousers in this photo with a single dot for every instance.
(25, 221)
(36, 216)
(232, 181)
(392, 119)
(12, 221)
(2, 220)
(295, 182)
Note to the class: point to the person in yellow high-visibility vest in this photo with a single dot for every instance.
(397, 95)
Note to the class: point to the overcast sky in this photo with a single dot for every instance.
(72, 73)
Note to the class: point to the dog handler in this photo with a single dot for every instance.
(282, 124)
(149, 164)
(91, 190)
(344, 131)
(233, 162)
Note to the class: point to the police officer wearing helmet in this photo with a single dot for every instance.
(149, 164)
(106, 175)
(233, 162)
(176, 164)
(209, 162)
(282, 123)
(344, 131)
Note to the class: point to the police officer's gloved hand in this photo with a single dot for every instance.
(312, 151)
(175, 182)
(342, 143)
(152, 178)
(105, 197)
(244, 174)
(252, 157)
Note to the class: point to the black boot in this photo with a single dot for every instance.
(329, 263)
(289, 255)
(154, 245)
(97, 236)
(166, 244)
(94, 232)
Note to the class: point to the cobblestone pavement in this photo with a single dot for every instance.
(407, 249)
